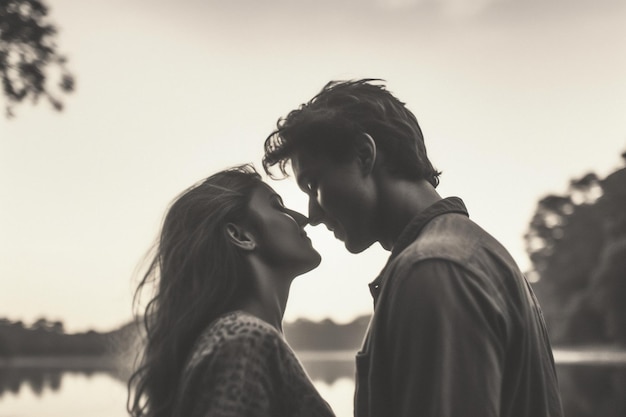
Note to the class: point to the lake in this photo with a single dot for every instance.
(593, 384)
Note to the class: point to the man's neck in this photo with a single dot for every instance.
(400, 201)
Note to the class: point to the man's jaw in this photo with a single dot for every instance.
(337, 231)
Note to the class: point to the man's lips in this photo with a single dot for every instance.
(338, 234)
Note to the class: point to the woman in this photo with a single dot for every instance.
(226, 257)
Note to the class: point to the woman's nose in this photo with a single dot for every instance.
(300, 218)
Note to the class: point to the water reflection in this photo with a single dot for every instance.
(49, 376)
(13, 379)
(329, 371)
(588, 390)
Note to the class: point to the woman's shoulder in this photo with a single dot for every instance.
(239, 325)
(235, 331)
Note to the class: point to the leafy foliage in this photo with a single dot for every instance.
(28, 52)
(577, 244)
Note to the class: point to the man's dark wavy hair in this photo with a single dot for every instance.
(331, 122)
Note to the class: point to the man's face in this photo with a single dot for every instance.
(341, 196)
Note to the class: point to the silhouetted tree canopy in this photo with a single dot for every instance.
(29, 60)
(577, 244)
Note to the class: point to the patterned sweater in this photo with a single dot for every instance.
(241, 366)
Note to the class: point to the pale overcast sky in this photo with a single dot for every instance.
(515, 98)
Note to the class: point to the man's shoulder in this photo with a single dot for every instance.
(450, 236)
(456, 239)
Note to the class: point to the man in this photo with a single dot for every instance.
(456, 329)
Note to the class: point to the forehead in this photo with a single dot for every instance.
(262, 192)
(303, 163)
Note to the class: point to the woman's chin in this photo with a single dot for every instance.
(311, 264)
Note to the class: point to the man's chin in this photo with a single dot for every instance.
(355, 248)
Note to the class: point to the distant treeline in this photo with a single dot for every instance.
(326, 335)
(46, 338)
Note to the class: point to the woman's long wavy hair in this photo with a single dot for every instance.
(197, 275)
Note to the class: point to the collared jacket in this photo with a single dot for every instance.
(456, 329)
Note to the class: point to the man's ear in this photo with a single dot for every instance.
(240, 237)
(366, 153)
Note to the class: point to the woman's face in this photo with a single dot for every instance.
(281, 241)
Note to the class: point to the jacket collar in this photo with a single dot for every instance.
(414, 228)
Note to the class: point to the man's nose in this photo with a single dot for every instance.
(316, 213)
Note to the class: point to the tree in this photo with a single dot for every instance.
(57, 327)
(40, 324)
(577, 244)
(28, 53)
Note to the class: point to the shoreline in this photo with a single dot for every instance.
(69, 362)
(563, 355)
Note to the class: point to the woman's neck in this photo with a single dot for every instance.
(268, 300)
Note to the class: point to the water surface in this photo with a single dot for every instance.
(593, 384)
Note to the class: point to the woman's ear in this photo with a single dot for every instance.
(366, 153)
(240, 237)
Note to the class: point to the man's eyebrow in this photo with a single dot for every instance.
(300, 172)
(301, 177)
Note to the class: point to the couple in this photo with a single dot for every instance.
(456, 329)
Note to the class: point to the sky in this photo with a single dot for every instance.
(515, 98)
